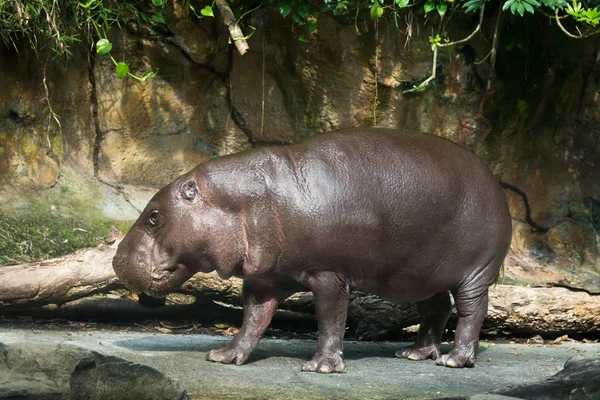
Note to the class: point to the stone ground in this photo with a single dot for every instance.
(273, 371)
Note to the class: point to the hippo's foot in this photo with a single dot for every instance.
(456, 359)
(417, 352)
(228, 355)
(325, 364)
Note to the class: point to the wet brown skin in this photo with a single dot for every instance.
(409, 217)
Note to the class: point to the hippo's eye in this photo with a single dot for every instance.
(154, 217)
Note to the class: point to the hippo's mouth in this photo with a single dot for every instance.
(165, 279)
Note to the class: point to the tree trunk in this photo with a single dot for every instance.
(89, 271)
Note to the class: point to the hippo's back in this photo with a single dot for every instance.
(387, 204)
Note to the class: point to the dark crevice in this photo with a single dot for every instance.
(236, 116)
(12, 115)
(94, 102)
(528, 218)
(574, 288)
(98, 132)
(224, 78)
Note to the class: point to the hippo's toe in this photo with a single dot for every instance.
(455, 360)
(325, 364)
(416, 352)
(227, 355)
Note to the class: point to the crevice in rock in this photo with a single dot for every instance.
(98, 133)
(224, 77)
(236, 116)
(528, 218)
(94, 102)
(12, 115)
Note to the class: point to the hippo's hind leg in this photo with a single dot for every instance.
(331, 293)
(261, 298)
(434, 314)
(471, 306)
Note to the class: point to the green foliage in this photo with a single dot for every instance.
(58, 24)
(122, 70)
(376, 11)
(45, 235)
(434, 40)
(473, 5)
(207, 11)
(520, 6)
(590, 16)
(304, 13)
(103, 46)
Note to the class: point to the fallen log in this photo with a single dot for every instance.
(89, 271)
(59, 280)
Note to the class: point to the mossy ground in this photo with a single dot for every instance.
(37, 224)
(46, 234)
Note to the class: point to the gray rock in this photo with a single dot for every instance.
(41, 371)
(580, 379)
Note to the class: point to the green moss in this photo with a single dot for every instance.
(508, 280)
(41, 235)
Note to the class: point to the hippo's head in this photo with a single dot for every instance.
(173, 239)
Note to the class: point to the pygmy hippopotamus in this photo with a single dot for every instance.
(406, 216)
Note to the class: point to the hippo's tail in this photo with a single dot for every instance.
(528, 218)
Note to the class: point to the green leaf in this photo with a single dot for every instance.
(441, 9)
(285, 9)
(207, 11)
(303, 38)
(87, 4)
(429, 6)
(144, 17)
(298, 19)
(513, 7)
(520, 8)
(303, 11)
(158, 17)
(534, 3)
(158, 3)
(507, 4)
(122, 69)
(402, 3)
(312, 25)
(149, 75)
(473, 5)
(376, 12)
(528, 7)
(103, 46)
(555, 3)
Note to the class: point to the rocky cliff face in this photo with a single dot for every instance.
(119, 140)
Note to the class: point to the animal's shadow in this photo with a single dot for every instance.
(299, 349)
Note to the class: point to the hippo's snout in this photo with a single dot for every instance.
(145, 267)
(131, 274)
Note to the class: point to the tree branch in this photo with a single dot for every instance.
(435, 51)
(494, 50)
(569, 34)
(477, 29)
(234, 29)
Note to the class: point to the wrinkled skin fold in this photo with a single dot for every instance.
(409, 217)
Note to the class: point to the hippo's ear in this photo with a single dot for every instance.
(189, 190)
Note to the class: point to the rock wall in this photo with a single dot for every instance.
(119, 140)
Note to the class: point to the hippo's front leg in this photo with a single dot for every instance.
(331, 293)
(261, 298)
